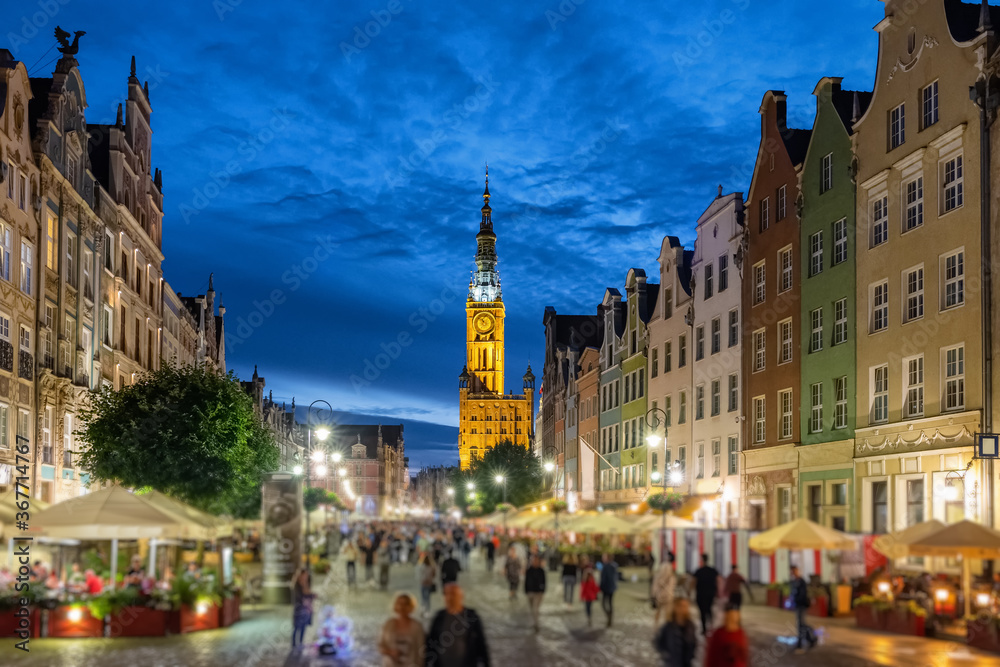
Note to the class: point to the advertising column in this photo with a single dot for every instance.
(282, 514)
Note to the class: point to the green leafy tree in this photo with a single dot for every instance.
(315, 496)
(520, 468)
(186, 431)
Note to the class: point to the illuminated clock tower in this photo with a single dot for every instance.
(487, 415)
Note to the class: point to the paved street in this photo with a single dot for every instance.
(564, 641)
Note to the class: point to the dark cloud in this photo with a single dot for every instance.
(605, 129)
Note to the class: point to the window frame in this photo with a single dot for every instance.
(955, 283)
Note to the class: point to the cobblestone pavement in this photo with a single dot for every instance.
(262, 638)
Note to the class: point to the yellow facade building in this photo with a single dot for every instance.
(488, 415)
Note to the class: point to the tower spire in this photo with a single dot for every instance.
(485, 283)
(487, 222)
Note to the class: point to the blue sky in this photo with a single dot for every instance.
(326, 162)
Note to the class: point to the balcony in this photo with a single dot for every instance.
(25, 365)
(6, 356)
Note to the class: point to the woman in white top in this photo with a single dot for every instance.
(401, 642)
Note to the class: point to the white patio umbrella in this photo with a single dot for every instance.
(800, 534)
(114, 513)
(896, 545)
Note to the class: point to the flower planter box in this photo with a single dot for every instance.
(775, 598)
(138, 622)
(819, 607)
(11, 624)
(187, 619)
(61, 625)
(904, 623)
(983, 636)
(866, 616)
(229, 612)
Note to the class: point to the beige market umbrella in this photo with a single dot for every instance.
(219, 526)
(896, 545)
(800, 534)
(114, 513)
(966, 539)
(653, 522)
(600, 523)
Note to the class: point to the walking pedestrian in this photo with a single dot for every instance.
(799, 592)
(491, 552)
(609, 584)
(301, 606)
(450, 569)
(569, 578)
(512, 569)
(734, 585)
(534, 588)
(588, 593)
(466, 552)
(426, 577)
(664, 587)
(456, 636)
(368, 548)
(728, 646)
(402, 641)
(384, 557)
(706, 582)
(677, 640)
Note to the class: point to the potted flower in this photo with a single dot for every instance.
(906, 619)
(776, 594)
(819, 601)
(229, 611)
(559, 506)
(75, 619)
(983, 632)
(668, 501)
(474, 510)
(505, 507)
(127, 615)
(195, 606)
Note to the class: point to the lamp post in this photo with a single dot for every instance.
(500, 479)
(655, 418)
(321, 432)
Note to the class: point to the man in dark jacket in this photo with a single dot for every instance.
(534, 587)
(456, 637)
(609, 584)
(449, 570)
(706, 589)
(799, 593)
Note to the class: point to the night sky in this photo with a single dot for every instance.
(332, 179)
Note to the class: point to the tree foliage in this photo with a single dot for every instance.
(185, 431)
(521, 470)
(315, 496)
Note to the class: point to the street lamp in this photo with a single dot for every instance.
(500, 479)
(470, 486)
(655, 418)
(549, 466)
(322, 432)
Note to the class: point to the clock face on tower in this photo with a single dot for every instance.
(483, 323)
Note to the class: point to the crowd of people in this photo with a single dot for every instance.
(455, 634)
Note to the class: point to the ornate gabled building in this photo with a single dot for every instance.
(487, 415)
(288, 434)
(373, 459)
(68, 363)
(18, 247)
(210, 345)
